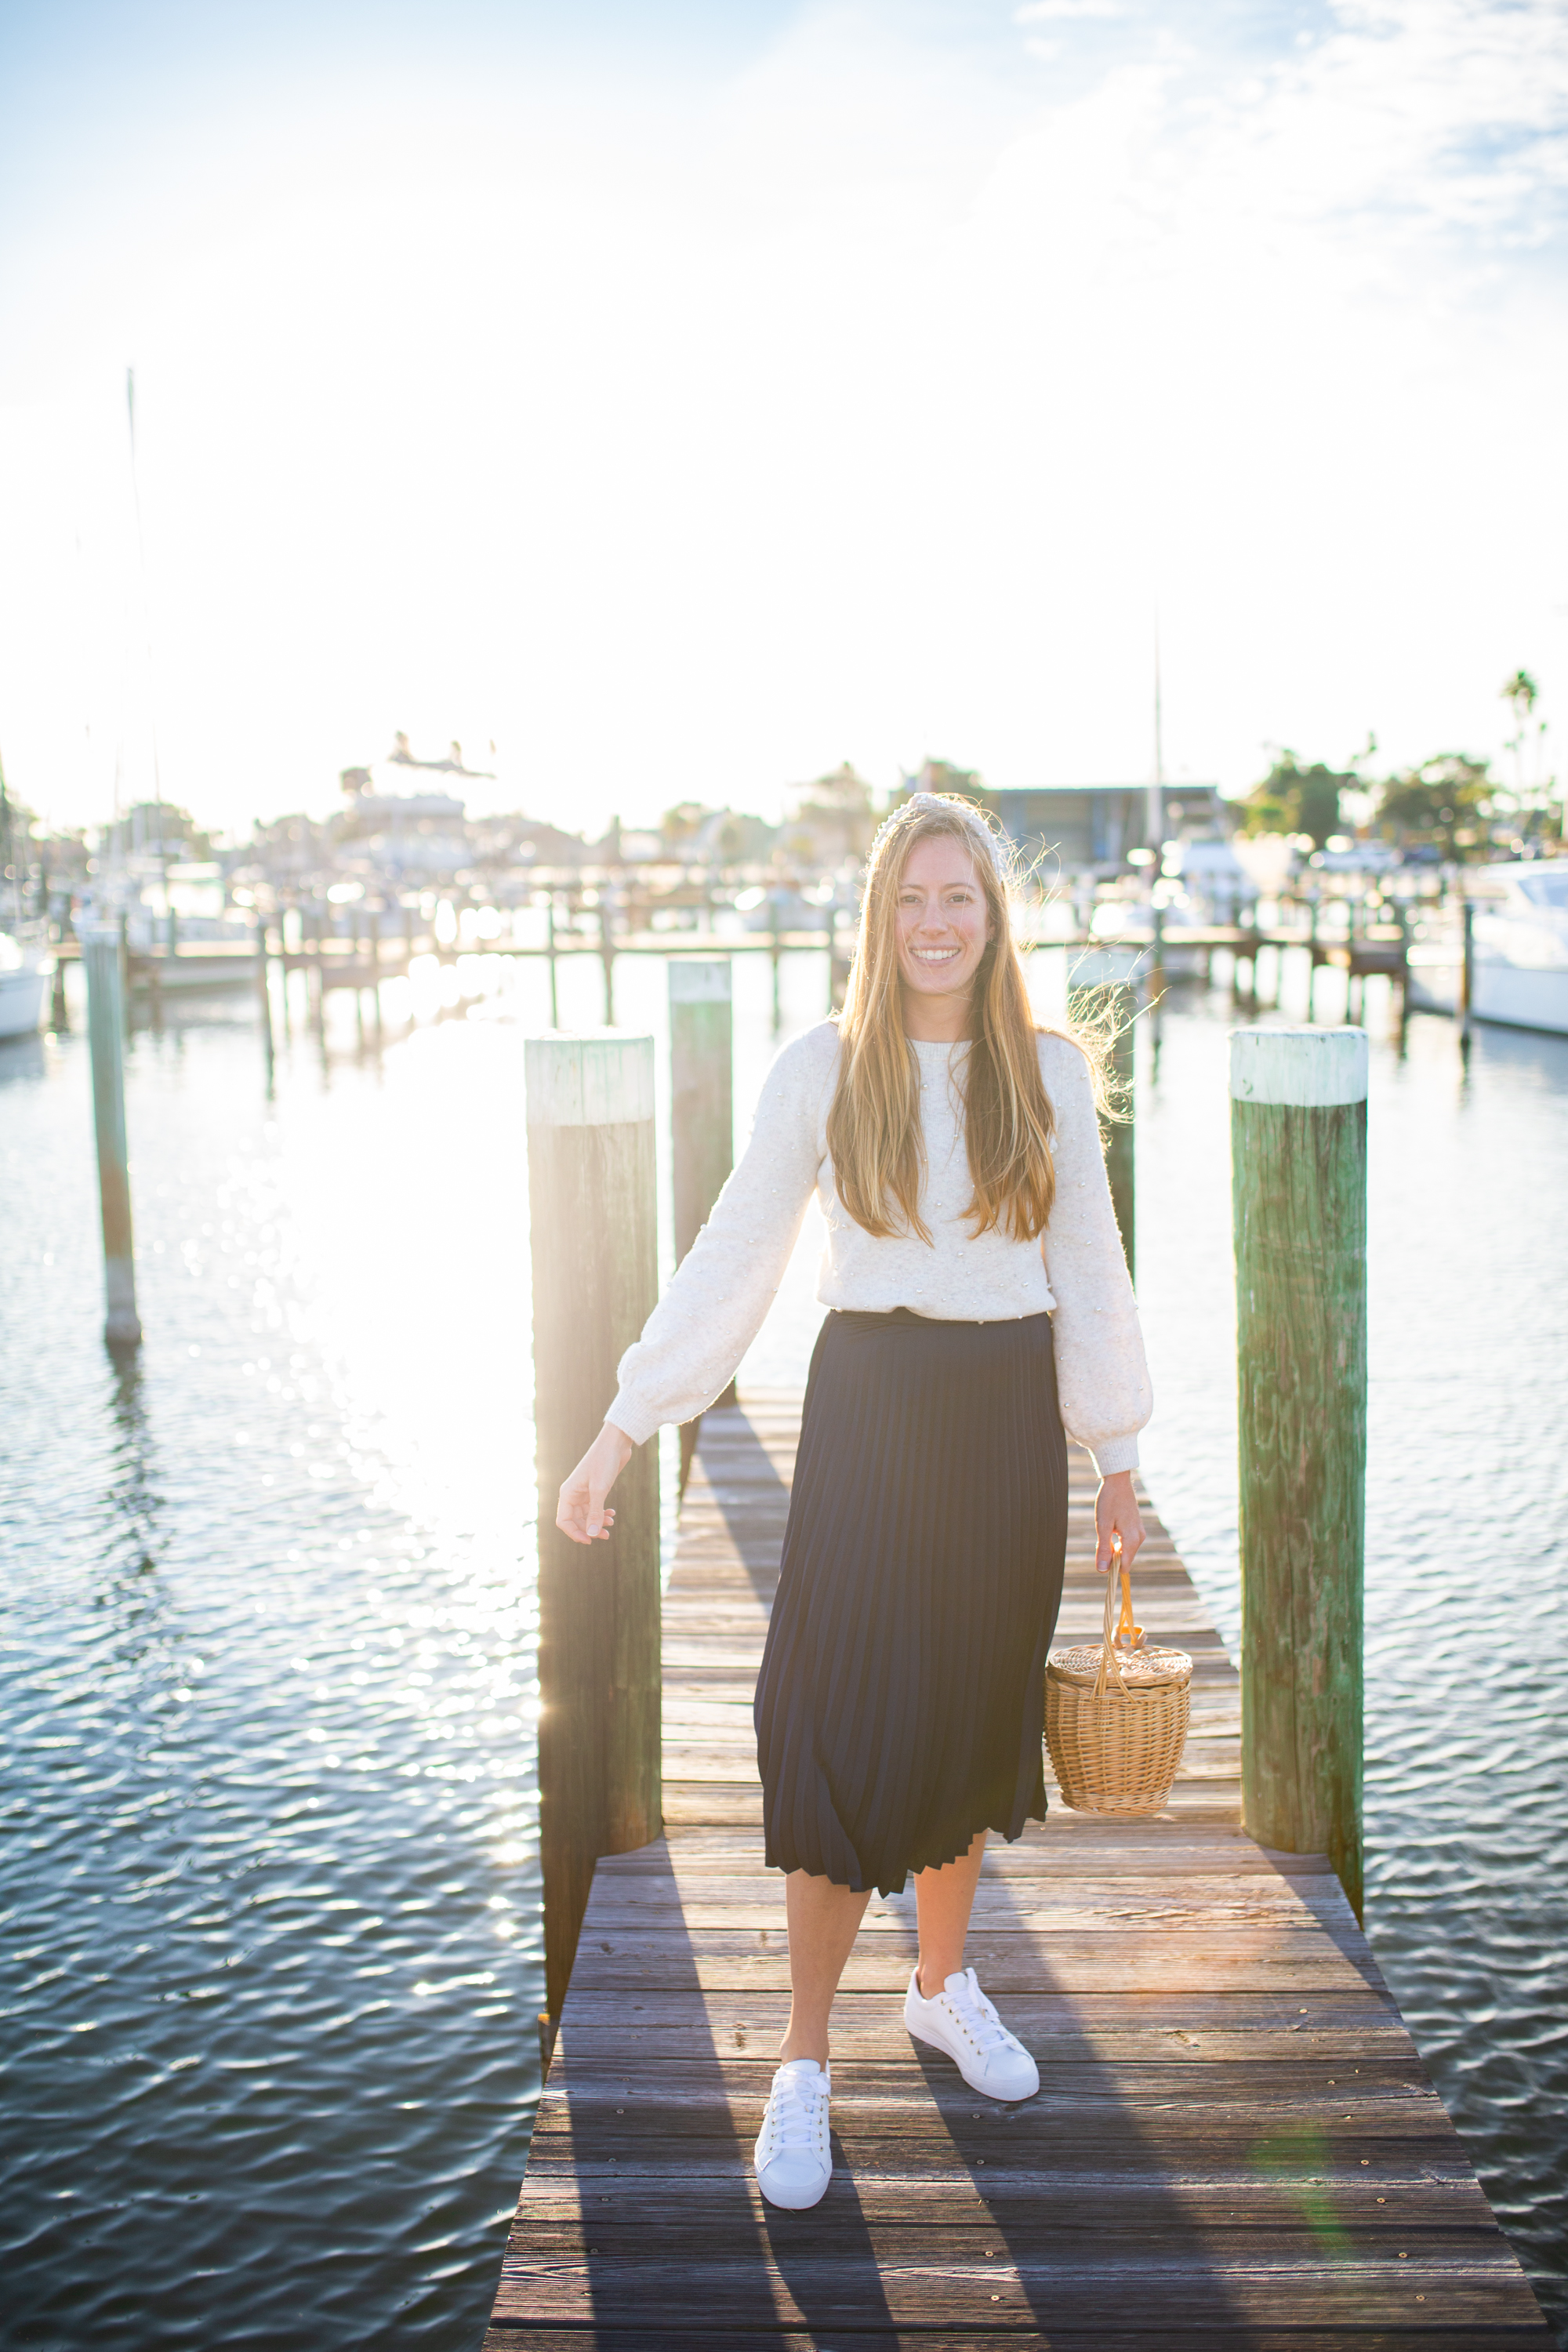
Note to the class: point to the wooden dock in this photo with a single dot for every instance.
(1235, 2143)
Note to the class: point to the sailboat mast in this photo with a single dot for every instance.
(146, 604)
(1155, 816)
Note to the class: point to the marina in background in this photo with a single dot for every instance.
(271, 1593)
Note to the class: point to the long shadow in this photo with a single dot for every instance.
(745, 1485)
(683, 2249)
(678, 2249)
(1077, 2180)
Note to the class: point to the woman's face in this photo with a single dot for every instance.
(942, 922)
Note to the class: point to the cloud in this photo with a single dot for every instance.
(1058, 12)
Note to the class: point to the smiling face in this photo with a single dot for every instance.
(942, 926)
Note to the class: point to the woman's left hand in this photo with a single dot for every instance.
(1116, 1513)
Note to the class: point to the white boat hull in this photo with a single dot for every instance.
(1520, 1000)
(1519, 973)
(23, 996)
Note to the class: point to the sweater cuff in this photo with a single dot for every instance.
(634, 1421)
(1116, 1453)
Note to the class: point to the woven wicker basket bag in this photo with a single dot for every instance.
(1116, 1715)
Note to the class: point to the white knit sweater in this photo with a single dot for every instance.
(711, 1312)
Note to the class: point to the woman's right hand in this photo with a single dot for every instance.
(580, 1512)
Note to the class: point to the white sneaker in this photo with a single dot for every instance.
(793, 2162)
(961, 2021)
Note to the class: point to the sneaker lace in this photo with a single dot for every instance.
(976, 2015)
(795, 2112)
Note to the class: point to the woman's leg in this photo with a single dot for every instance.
(823, 1922)
(943, 1900)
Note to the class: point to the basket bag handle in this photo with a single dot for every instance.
(1123, 1633)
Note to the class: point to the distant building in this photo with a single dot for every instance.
(1096, 825)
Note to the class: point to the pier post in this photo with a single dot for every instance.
(264, 1001)
(318, 991)
(775, 926)
(608, 953)
(550, 951)
(1467, 987)
(1299, 1197)
(1101, 989)
(283, 975)
(702, 1114)
(592, 1217)
(841, 961)
(376, 911)
(101, 955)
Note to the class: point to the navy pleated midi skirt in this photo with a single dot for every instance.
(901, 1697)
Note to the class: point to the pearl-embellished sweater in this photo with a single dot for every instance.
(714, 1308)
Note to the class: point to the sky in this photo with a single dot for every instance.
(684, 397)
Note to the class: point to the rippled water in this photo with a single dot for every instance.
(272, 1958)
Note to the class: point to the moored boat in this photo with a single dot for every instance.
(27, 969)
(1519, 967)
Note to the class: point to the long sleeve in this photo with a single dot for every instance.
(1102, 1377)
(722, 1288)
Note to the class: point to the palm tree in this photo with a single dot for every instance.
(1519, 693)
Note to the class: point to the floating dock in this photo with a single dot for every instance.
(1235, 2143)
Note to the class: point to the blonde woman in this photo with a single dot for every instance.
(979, 1303)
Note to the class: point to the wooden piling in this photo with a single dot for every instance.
(591, 1173)
(100, 958)
(263, 999)
(318, 972)
(608, 954)
(1467, 987)
(1299, 1164)
(840, 960)
(1101, 991)
(775, 926)
(373, 950)
(702, 1063)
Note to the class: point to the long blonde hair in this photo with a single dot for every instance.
(874, 1136)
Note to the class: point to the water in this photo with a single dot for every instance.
(272, 1957)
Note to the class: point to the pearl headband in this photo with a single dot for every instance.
(921, 805)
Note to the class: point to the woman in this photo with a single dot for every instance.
(975, 1277)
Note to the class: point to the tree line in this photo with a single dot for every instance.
(1451, 804)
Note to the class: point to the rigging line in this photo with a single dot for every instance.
(146, 600)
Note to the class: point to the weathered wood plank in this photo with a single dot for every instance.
(890, 2286)
(1240, 2335)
